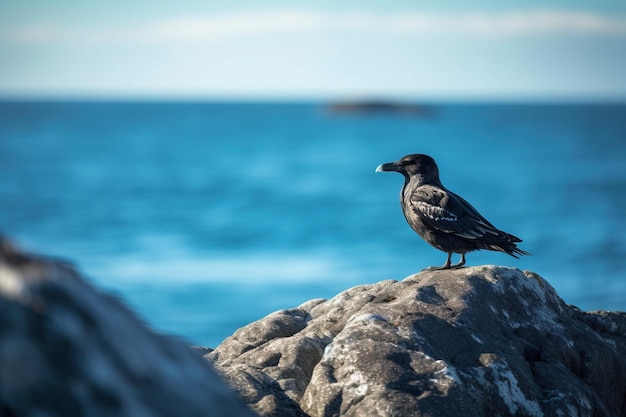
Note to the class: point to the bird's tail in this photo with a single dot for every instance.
(511, 248)
(517, 252)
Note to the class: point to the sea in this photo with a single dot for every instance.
(204, 217)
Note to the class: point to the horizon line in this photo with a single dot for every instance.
(330, 98)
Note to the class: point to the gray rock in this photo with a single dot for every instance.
(480, 341)
(69, 350)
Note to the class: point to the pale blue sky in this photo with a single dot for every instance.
(554, 49)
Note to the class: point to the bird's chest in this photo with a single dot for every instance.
(422, 198)
(417, 203)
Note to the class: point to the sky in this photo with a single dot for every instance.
(244, 49)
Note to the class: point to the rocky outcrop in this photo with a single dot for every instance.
(69, 350)
(480, 341)
(374, 107)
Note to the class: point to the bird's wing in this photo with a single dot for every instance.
(447, 212)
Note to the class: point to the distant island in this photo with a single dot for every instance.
(380, 107)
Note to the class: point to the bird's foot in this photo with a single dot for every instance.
(460, 264)
(433, 268)
(437, 268)
(443, 267)
(448, 264)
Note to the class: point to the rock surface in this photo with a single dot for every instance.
(480, 341)
(68, 350)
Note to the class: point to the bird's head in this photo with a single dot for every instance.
(414, 165)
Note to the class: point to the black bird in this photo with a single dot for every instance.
(443, 219)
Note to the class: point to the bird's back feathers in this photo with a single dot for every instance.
(441, 210)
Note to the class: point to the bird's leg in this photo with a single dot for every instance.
(444, 266)
(460, 264)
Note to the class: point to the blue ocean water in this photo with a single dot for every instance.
(207, 216)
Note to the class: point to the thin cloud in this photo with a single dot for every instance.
(511, 23)
(237, 24)
(287, 22)
(476, 23)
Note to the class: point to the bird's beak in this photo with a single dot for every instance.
(388, 167)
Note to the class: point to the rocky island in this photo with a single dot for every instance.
(379, 107)
(477, 341)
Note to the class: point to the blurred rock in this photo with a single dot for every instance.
(480, 341)
(378, 107)
(69, 350)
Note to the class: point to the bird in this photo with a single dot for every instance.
(442, 218)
